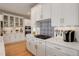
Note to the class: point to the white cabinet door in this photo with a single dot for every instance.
(2, 48)
(46, 10)
(36, 12)
(59, 50)
(12, 38)
(40, 48)
(28, 43)
(7, 38)
(57, 14)
(17, 35)
(35, 15)
(31, 43)
(64, 14)
(32, 46)
(52, 51)
(71, 14)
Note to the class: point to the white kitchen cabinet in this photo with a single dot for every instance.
(40, 48)
(41, 11)
(17, 36)
(16, 22)
(7, 37)
(35, 46)
(6, 23)
(64, 14)
(28, 43)
(36, 12)
(57, 14)
(11, 37)
(46, 11)
(11, 24)
(51, 51)
(59, 50)
(11, 21)
(71, 14)
(31, 45)
(35, 15)
(61, 14)
(2, 48)
(21, 22)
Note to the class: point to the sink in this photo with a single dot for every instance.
(42, 36)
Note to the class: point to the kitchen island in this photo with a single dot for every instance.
(51, 47)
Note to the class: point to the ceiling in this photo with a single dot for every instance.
(23, 9)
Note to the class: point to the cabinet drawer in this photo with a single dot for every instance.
(63, 49)
(40, 41)
(50, 51)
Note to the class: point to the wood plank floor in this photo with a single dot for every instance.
(17, 49)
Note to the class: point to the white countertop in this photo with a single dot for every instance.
(73, 45)
(59, 41)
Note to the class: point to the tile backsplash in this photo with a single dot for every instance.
(46, 28)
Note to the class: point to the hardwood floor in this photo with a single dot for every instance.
(17, 49)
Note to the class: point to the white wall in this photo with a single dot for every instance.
(27, 22)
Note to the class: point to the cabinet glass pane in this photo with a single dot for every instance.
(21, 22)
(17, 22)
(11, 21)
(5, 21)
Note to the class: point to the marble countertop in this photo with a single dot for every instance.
(73, 45)
(59, 41)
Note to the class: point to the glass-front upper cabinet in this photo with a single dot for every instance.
(6, 21)
(11, 21)
(21, 22)
(16, 22)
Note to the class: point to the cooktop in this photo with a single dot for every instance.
(42, 36)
